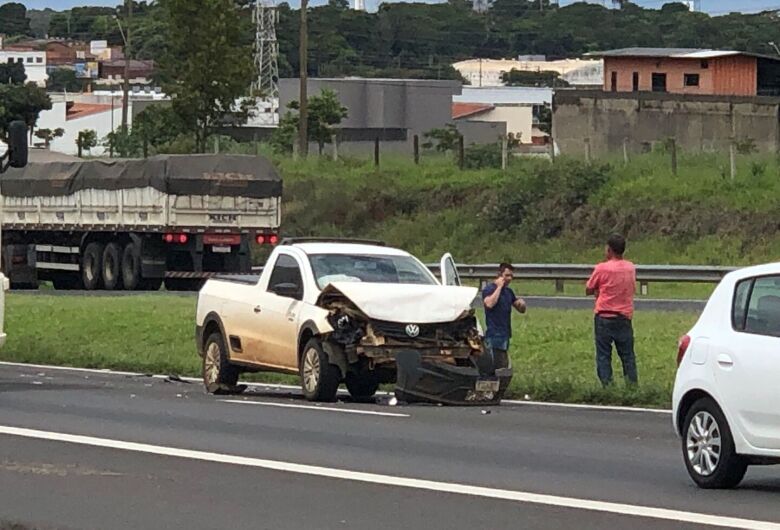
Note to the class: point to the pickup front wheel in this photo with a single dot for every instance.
(319, 379)
(219, 376)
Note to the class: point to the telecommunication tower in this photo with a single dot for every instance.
(360, 5)
(266, 85)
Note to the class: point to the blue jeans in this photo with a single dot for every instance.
(498, 348)
(620, 332)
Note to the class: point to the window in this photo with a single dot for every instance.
(763, 307)
(368, 268)
(614, 81)
(635, 82)
(739, 308)
(659, 82)
(691, 79)
(705, 64)
(39, 60)
(29, 59)
(286, 270)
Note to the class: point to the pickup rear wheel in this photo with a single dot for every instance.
(319, 379)
(219, 376)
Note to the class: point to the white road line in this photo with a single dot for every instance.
(314, 407)
(279, 386)
(403, 482)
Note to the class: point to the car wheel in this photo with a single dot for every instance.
(319, 379)
(708, 447)
(92, 267)
(219, 376)
(361, 386)
(112, 271)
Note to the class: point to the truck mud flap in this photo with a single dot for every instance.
(434, 382)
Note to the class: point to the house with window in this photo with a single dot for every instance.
(690, 71)
(34, 63)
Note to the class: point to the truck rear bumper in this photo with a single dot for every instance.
(423, 380)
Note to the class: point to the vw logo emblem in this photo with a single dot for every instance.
(412, 330)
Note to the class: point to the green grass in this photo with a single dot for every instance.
(552, 350)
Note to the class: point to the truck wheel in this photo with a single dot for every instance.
(319, 379)
(112, 267)
(92, 266)
(131, 267)
(219, 376)
(362, 386)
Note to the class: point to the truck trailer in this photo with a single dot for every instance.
(134, 224)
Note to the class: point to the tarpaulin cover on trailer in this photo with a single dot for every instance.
(215, 175)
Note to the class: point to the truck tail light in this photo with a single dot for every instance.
(269, 239)
(260, 239)
(176, 238)
(273, 239)
(682, 347)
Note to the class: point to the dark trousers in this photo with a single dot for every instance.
(619, 331)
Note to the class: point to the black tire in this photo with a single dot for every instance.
(219, 376)
(112, 267)
(92, 266)
(711, 435)
(319, 379)
(362, 386)
(131, 267)
(183, 284)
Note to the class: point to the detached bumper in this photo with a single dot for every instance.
(432, 382)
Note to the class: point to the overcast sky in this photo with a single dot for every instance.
(712, 6)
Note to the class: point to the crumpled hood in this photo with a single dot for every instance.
(406, 303)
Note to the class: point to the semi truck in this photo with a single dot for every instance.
(138, 223)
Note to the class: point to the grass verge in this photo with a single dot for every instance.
(552, 350)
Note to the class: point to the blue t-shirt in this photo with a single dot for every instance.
(499, 317)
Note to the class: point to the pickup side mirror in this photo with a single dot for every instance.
(287, 290)
(17, 144)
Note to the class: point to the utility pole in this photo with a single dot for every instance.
(126, 88)
(303, 112)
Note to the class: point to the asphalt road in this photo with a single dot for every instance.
(155, 454)
(551, 302)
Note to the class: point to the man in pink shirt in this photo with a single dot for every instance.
(613, 282)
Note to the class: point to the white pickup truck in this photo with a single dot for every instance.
(356, 312)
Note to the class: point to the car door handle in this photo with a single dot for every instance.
(291, 317)
(258, 309)
(725, 360)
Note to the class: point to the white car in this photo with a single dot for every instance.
(727, 393)
(362, 314)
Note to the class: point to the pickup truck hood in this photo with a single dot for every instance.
(405, 303)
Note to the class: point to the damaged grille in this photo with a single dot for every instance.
(457, 330)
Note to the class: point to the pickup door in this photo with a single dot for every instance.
(279, 308)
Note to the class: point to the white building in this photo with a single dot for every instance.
(34, 64)
(517, 106)
(489, 72)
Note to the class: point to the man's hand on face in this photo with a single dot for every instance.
(500, 282)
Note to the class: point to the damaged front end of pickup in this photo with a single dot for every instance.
(429, 361)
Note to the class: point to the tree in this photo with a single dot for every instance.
(12, 74)
(13, 19)
(64, 80)
(325, 111)
(443, 140)
(208, 62)
(22, 102)
(47, 135)
(86, 140)
(536, 79)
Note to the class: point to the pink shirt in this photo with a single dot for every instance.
(615, 281)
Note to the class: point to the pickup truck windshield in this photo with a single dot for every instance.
(374, 268)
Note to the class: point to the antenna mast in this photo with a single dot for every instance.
(266, 86)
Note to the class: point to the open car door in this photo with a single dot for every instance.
(449, 272)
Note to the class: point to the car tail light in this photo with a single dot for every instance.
(260, 239)
(682, 347)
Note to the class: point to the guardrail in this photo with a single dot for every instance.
(645, 274)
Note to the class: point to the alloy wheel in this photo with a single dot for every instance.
(703, 443)
(311, 370)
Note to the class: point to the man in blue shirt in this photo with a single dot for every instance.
(499, 300)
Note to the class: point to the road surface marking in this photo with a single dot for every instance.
(402, 482)
(314, 407)
(279, 386)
